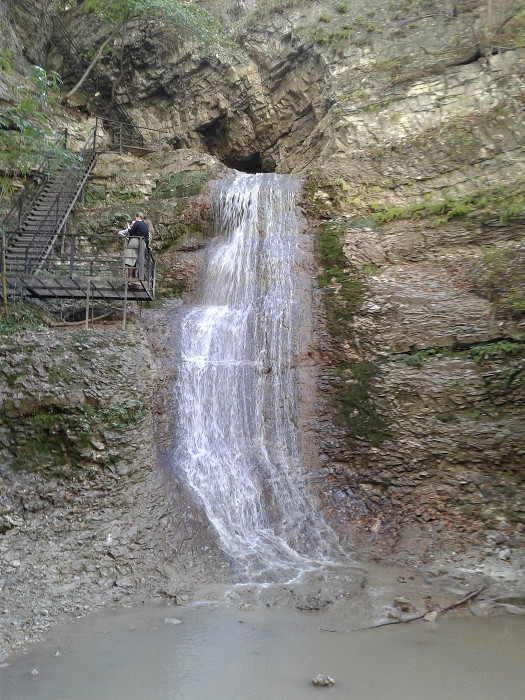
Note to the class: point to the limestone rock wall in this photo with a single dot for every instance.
(382, 107)
(85, 515)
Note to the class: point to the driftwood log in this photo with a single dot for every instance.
(419, 616)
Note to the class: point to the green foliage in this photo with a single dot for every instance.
(513, 33)
(500, 277)
(25, 141)
(121, 414)
(169, 286)
(342, 297)
(358, 94)
(370, 269)
(57, 438)
(189, 17)
(94, 193)
(342, 292)
(6, 65)
(182, 184)
(482, 204)
(337, 38)
(59, 375)
(22, 317)
(363, 222)
(51, 447)
(480, 353)
(416, 359)
(341, 7)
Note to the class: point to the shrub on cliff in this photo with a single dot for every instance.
(500, 277)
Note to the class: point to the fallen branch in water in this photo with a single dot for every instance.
(419, 616)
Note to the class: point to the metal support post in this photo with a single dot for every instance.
(4, 283)
(72, 255)
(125, 304)
(88, 293)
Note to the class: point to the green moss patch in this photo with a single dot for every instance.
(500, 277)
(22, 317)
(52, 441)
(501, 349)
(502, 203)
(357, 409)
(342, 291)
(183, 184)
(342, 296)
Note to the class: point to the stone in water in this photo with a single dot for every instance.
(322, 680)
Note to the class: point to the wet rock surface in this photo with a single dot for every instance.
(97, 523)
(437, 489)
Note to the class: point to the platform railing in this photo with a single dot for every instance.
(122, 141)
(59, 209)
(101, 256)
(24, 202)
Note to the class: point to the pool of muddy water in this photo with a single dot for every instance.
(158, 651)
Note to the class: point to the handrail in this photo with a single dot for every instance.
(121, 140)
(19, 206)
(142, 128)
(58, 208)
(89, 150)
(74, 263)
(98, 79)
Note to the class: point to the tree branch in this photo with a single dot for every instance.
(91, 65)
(419, 616)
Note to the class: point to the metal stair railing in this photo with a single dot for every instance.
(29, 195)
(37, 248)
(74, 56)
(78, 259)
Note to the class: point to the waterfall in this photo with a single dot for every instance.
(236, 393)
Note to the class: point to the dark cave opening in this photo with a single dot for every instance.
(216, 137)
(250, 164)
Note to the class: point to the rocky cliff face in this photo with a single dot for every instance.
(85, 515)
(406, 121)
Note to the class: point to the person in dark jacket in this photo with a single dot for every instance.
(139, 229)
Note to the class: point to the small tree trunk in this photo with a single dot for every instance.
(91, 66)
(116, 83)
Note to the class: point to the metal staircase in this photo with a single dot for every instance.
(30, 238)
(115, 116)
(39, 257)
(42, 259)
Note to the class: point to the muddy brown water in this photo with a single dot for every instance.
(218, 652)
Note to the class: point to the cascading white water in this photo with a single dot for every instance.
(237, 439)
